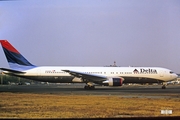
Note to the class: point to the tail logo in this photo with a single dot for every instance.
(14, 58)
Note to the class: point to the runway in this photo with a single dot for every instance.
(148, 91)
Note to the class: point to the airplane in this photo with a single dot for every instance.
(107, 76)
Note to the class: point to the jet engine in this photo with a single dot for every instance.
(114, 81)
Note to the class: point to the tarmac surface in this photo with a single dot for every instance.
(147, 91)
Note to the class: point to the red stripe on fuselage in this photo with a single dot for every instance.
(8, 46)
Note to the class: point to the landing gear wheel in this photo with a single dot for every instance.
(87, 87)
(164, 87)
(92, 87)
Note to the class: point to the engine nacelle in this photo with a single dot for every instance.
(114, 81)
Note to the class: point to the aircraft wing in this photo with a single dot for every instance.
(86, 76)
(11, 70)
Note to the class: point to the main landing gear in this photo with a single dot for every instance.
(164, 85)
(89, 86)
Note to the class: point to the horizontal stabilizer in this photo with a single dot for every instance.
(10, 70)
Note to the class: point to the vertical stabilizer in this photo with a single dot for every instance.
(15, 60)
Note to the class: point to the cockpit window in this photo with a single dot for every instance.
(171, 72)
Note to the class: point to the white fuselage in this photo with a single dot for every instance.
(130, 74)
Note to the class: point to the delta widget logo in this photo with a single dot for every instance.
(145, 71)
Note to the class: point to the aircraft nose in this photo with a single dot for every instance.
(175, 75)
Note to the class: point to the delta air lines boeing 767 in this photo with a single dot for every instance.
(107, 76)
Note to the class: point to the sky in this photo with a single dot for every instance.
(93, 32)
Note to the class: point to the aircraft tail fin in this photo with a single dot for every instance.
(15, 60)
